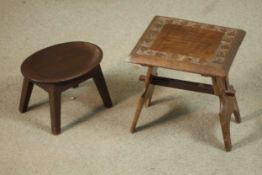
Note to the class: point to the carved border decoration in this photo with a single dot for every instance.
(143, 48)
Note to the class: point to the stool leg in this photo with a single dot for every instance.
(55, 110)
(236, 111)
(25, 95)
(102, 88)
(226, 97)
(145, 96)
(235, 104)
(151, 90)
(224, 116)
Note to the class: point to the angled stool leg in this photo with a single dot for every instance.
(101, 86)
(147, 94)
(226, 97)
(236, 111)
(25, 95)
(224, 116)
(235, 104)
(55, 109)
(151, 90)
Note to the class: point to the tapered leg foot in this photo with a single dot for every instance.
(224, 116)
(228, 106)
(102, 88)
(144, 98)
(25, 95)
(55, 110)
(139, 107)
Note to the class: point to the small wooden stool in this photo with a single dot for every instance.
(58, 68)
(193, 47)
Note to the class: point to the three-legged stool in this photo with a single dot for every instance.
(58, 68)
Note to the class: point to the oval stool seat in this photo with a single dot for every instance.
(61, 62)
(58, 68)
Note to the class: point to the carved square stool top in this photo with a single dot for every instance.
(187, 46)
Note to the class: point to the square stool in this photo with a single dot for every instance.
(188, 46)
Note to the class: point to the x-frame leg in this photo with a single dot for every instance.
(228, 106)
(220, 88)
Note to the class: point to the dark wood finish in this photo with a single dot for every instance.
(57, 74)
(180, 84)
(37, 67)
(55, 109)
(102, 88)
(189, 46)
(25, 95)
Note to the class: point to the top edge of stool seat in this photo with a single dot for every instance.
(62, 62)
(188, 46)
